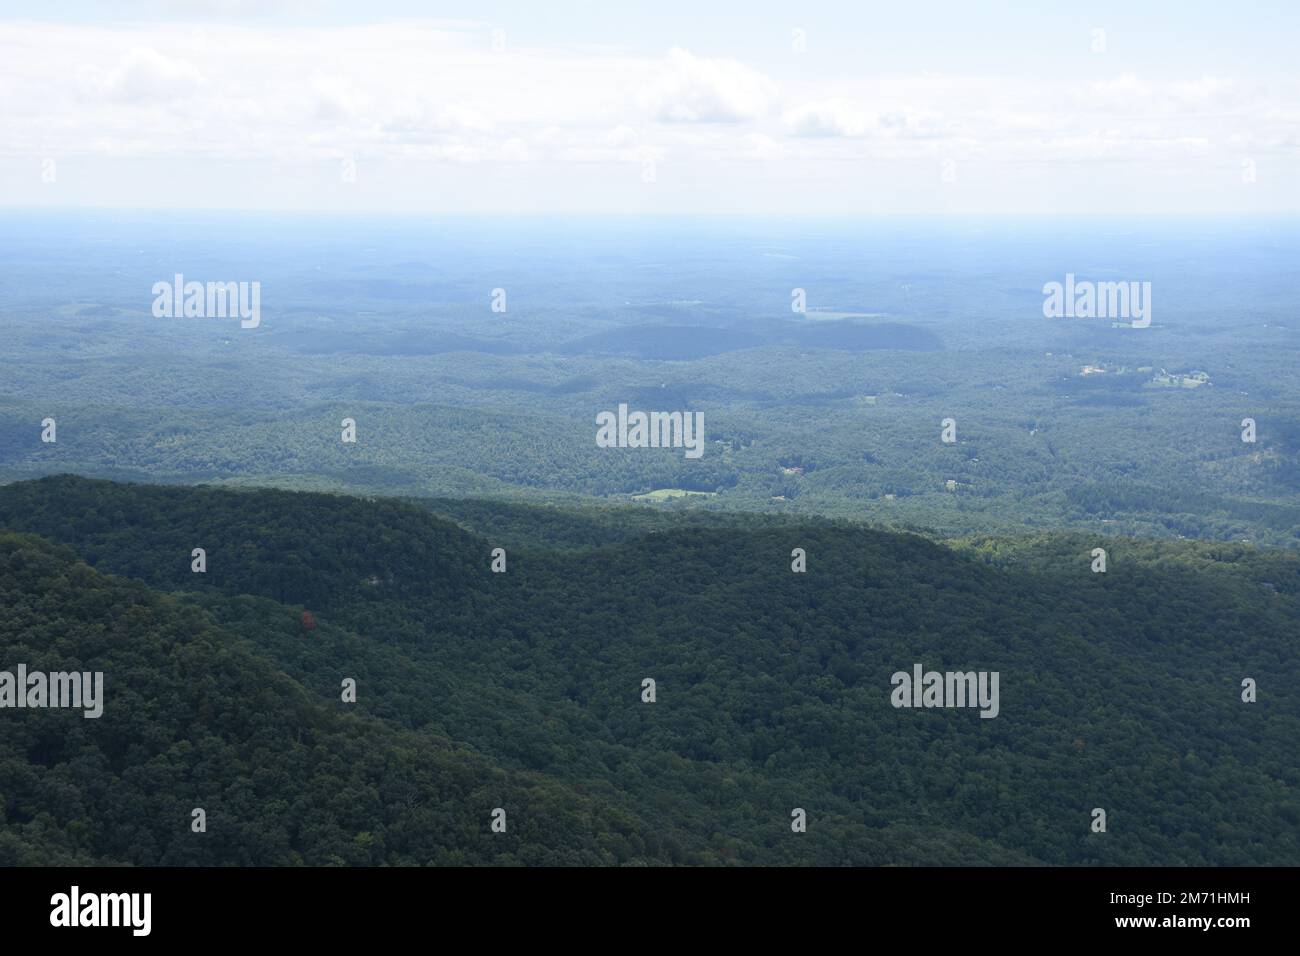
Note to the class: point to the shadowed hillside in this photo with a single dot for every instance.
(1118, 690)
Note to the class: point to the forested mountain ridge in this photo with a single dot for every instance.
(196, 719)
(1119, 690)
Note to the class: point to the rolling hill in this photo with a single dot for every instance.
(524, 689)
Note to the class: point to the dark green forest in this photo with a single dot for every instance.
(523, 690)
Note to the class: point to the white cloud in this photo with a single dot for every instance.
(692, 89)
(827, 118)
(281, 94)
(336, 99)
(146, 76)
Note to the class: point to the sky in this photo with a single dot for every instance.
(778, 109)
